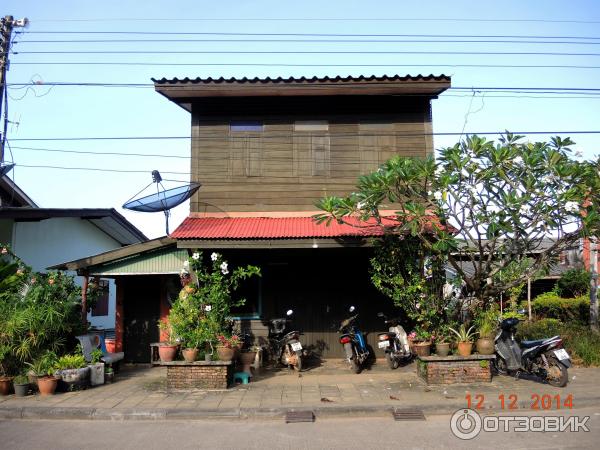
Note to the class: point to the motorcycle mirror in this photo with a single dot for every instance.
(289, 312)
(352, 308)
(380, 314)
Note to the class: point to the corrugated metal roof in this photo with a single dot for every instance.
(302, 80)
(274, 228)
(163, 261)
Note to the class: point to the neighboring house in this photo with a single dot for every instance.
(265, 150)
(44, 237)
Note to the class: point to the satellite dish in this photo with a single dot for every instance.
(163, 200)
(5, 168)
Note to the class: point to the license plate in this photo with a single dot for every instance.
(561, 354)
(296, 346)
(383, 344)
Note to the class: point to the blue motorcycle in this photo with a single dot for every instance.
(357, 352)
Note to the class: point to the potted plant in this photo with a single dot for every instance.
(4, 379)
(422, 342)
(43, 369)
(109, 375)
(464, 339)
(486, 323)
(442, 346)
(21, 384)
(96, 368)
(73, 371)
(167, 349)
(226, 346)
(247, 358)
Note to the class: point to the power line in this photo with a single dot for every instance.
(352, 41)
(259, 135)
(158, 64)
(293, 52)
(516, 89)
(220, 33)
(97, 169)
(322, 19)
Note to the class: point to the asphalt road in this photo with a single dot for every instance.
(338, 433)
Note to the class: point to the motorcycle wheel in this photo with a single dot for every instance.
(499, 366)
(392, 362)
(299, 360)
(557, 375)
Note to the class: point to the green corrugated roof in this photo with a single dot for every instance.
(160, 261)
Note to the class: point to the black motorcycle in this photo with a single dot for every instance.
(544, 358)
(394, 342)
(355, 346)
(285, 347)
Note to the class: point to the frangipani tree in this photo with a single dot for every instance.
(483, 205)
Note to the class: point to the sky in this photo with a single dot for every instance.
(80, 126)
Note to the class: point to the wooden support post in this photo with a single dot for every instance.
(84, 289)
(529, 297)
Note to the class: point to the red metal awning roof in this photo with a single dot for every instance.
(275, 228)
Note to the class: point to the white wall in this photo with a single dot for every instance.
(54, 241)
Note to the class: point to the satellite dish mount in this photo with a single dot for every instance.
(164, 199)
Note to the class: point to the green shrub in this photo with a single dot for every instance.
(579, 341)
(539, 329)
(573, 283)
(70, 362)
(567, 310)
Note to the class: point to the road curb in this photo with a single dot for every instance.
(88, 413)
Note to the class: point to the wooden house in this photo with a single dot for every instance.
(265, 150)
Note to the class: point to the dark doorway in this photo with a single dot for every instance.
(141, 310)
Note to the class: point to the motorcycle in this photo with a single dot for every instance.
(285, 347)
(394, 342)
(354, 343)
(543, 357)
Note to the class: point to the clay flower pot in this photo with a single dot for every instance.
(225, 353)
(190, 354)
(465, 348)
(422, 348)
(247, 358)
(485, 346)
(442, 348)
(5, 383)
(167, 352)
(47, 384)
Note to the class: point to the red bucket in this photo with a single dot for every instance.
(110, 345)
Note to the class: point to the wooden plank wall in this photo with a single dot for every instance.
(275, 170)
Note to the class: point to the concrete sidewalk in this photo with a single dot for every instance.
(328, 390)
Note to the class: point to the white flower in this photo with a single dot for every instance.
(196, 255)
(437, 195)
(214, 256)
(571, 207)
(207, 308)
(418, 306)
(524, 210)
(224, 269)
(186, 264)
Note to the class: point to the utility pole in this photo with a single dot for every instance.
(7, 24)
(594, 283)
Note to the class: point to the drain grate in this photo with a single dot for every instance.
(299, 416)
(408, 414)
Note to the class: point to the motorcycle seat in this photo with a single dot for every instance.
(536, 342)
(389, 333)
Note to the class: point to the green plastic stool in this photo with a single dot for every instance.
(242, 377)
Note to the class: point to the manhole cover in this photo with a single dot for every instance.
(408, 414)
(299, 416)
